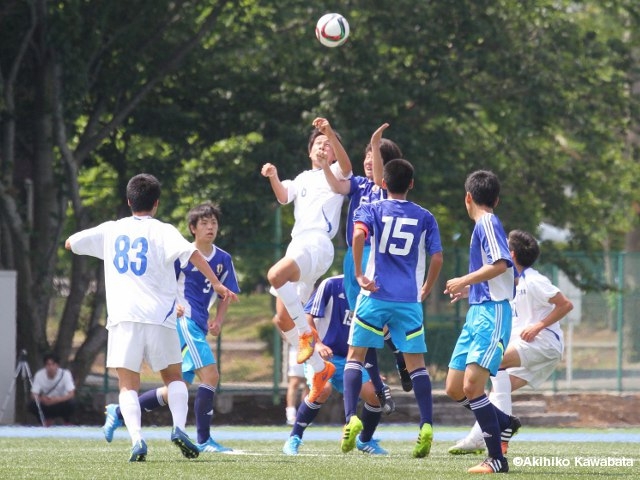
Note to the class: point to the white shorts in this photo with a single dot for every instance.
(313, 253)
(129, 343)
(295, 369)
(538, 359)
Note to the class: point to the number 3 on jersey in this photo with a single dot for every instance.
(121, 260)
(393, 231)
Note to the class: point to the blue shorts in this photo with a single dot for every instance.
(403, 319)
(484, 336)
(337, 381)
(196, 352)
(351, 287)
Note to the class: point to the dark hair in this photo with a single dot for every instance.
(484, 188)
(398, 174)
(204, 210)
(143, 191)
(388, 150)
(524, 246)
(315, 134)
(51, 356)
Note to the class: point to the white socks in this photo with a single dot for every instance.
(178, 399)
(130, 409)
(289, 296)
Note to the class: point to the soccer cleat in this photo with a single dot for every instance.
(211, 446)
(387, 403)
(320, 379)
(423, 445)
(305, 346)
(405, 379)
(491, 465)
(468, 445)
(138, 452)
(292, 445)
(349, 433)
(507, 434)
(111, 421)
(184, 443)
(370, 447)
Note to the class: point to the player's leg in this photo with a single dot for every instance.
(401, 367)
(352, 385)
(370, 416)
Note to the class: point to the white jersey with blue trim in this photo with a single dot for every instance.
(488, 245)
(531, 303)
(316, 206)
(195, 292)
(330, 309)
(138, 254)
(402, 235)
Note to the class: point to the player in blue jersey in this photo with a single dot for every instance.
(328, 312)
(196, 297)
(361, 190)
(395, 284)
(489, 285)
(139, 254)
(310, 254)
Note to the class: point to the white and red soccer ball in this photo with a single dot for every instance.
(332, 30)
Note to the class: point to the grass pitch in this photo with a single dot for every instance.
(92, 458)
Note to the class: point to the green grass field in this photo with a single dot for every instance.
(92, 458)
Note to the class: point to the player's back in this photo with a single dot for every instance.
(403, 235)
(139, 253)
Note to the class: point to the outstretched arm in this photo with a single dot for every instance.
(378, 167)
(201, 264)
(271, 172)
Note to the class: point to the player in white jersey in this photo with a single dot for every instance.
(396, 282)
(196, 298)
(310, 254)
(139, 254)
(485, 334)
(536, 342)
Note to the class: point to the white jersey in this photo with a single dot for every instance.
(316, 206)
(139, 255)
(58, 386)
(531, 303)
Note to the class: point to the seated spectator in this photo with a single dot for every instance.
(53, 387)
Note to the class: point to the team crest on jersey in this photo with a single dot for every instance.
(219, 268)
(303, 193)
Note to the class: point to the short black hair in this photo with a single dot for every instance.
(315, 134)
(484, 187)
(398, 174)
(388, 150)
(51, 357)
(524, 246)
(204, 210)
(143, 191)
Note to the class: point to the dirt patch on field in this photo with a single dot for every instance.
(598, 410)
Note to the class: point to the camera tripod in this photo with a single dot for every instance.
(22, 370)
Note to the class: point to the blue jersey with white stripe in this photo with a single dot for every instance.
(330, 309)
(362, 190)
(402, 235)
(195, 292)
(488, 245)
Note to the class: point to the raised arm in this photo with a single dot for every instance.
(271, 172)
(324, 126)
(377, 156)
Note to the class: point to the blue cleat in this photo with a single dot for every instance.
(138, 452)
(111, 422)
(292, 445)
(370, 447)
(184, 443)
(211, 446)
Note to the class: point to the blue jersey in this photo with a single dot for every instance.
(488, 245)
(328, 305)
(361, 190)
(402, 235)
(195, 291)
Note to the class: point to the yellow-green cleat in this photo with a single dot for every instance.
(349, 434)
(423, 445)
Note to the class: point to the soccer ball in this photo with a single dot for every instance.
(332, 30)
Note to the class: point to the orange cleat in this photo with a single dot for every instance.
(491, 465)
(320, 379)
(305, 346)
